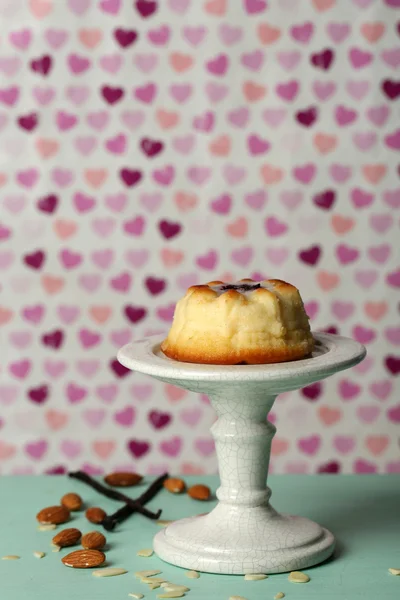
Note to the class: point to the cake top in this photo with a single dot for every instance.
(244, 286)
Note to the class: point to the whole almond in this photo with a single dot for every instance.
(96, 515)
(72, 501)
(84, 559)
(123, 479)
(199, 492)
(67, 537)
(174, 485)
(94, 540)
(53, 514)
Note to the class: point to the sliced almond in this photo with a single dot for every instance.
(394, 571)
(171, 595)
(154, 586)
(237, 598)
(192, 574)
(137, 596)
(48, 527)
(255, 576)
(150, 573)
(175, 588)
(152, 579)
(110, 572)
(39, 554)
(67, 537)
(84, 559)
(53, 515)
(56, 548)
(145, 552)
(279, 596)
(10, 557)
(298, 577)
(163, 522)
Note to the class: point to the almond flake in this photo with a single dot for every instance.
(192, 574)
(10, 557)
(145, 552)
(255, 576)
(136, 596)
(163, 522)
(47, 527)
(56, 548)
(152, 579)
(175, 588)
(39, 554)
(298, 577)
(140, 574)
(394, 571)
(171, 595)
(154, 586)
(110, 572)
(237, 598)
(279, 595)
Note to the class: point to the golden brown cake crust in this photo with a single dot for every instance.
(247, 322)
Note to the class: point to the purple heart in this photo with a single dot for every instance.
(42, 65)
(323, 59)
(310, 256)
(118, 369)
(392, 363)
(53, 339)
(159, 419)
(151, 147)
(169, 229)
(325, 200)
(312, 392)
(112, 94)
(138, 448)
(146, 8)
(135, 313)
(125, 37)
(155, 285)
(39, 394)
(35, 260)
(130, 177)
(308, 116)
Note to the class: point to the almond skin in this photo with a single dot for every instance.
(199, 492)
(84, 559)
(72, 501)
(67, 537)
(53, 515)
(123, 479)
(96, 515)
(174, 485)
(94, 540)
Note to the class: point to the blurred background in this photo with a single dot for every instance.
(146, 146)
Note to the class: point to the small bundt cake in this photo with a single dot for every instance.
(245, 322)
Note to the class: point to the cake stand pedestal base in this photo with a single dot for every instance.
(250, 540)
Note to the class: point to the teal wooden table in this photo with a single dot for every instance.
(363, 512)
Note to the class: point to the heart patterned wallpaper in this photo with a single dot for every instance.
(149, 145)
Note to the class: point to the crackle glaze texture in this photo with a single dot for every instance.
(243, 533)
(148, 145)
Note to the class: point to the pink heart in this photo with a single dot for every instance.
(381, 389)
(21, 39)
(21, 368)
(239, 117)
(88, 368)
(90, 282)
(78, 94)
(344, 444)
(62, 177)
(179, 6)
(79, 7)
(278, 256)
(137, 258)
(94, 417)
(191, 416)
(234, 174)
(242, 256)
(274, 116)
(75, 393)
(111, 7)
(291, 199)
(121, 337)
(205, 446)
(392, 198)
(56, 37)
(14, 204)
(171, 447)
(338, 32)
(98, 120)
(194, 35)
(36, 449)
(146, 62)
(111, 63)
(107, 393)
(207, 261)
(8, 394)
(378, 115)
(216, 91)
(381, 223)
(358, 89)
(151, 202)
(289, 60)
(340, 173)
(116, 202)
(70, 448)
(368, 413)
(256, 200)
(125, 416)
(20, 339)
(85, 145)
(68, 314)
(324, 89)
(199, 175)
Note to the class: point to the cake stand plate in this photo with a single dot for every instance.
(244, 533)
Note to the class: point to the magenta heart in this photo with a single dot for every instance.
(36, 449)
(171, 447)
(122, 282)
(146, 93)
(381, 389)
(35, 260)
(345, 116)
(360, 58)
(393, 414)
(9, 96)
(360, 198)
(125, 416)
(135, 313)
(393, 278)
(254, 7)
(83, 203)
(21, 368)
(112, 95)
(28, 122)
(312, 392)
(288, 91)
(392, 140)
(28, 178)
(307, 117)
(34, 314)
(169, 229)
(159, 36)
(21, 39)
(70, 259)
(346, 254)
(222, 204)
(146, 8)
(138, 448)
(107, 393)
(363, 334)
(75, 393)
(125, 37)
(135, 226)
(256, 200)
(257, 145)
(165, 175)
(118, 369)
(42, 65)
(78, 64)
(159, 419)
(305, 174)
(274, 227)
(39, 394)
(309, 445)
(325, 200)
(88, 338)
(218, 65)
(111, 7)
(302, 33)
(207, 261)
(348, 390)
(53, 339)
(311, 255)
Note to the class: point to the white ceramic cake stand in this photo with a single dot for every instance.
(243, 533)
